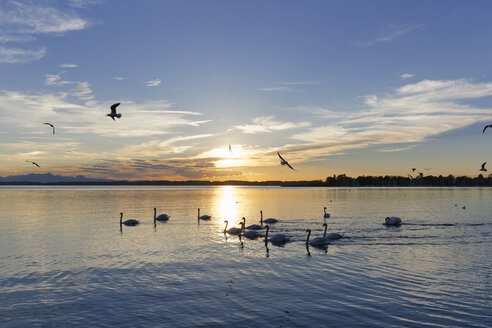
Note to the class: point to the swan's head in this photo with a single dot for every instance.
(308, 230)
(244, 220)
(324, 208)
(325, 225)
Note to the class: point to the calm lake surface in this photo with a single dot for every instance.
(65, 263)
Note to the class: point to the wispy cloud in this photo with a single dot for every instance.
(21, 22)
(16, 55)
(406, 76)
(118, 78)
(298, 83)
(139, 119)
(320, 111)
(153, 83)
(409, 115)
(392, 33)
(81, 90)
(269, 124)
(276, 89)
(68, 65)
(157, 148)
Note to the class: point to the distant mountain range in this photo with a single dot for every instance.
(49, 178)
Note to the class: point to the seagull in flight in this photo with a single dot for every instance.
(33, 163)
(483, 167)
(487, 126)
(284, 162)
(113, 112)
(52, 126)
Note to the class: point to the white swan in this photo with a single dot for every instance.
(392, 220)
(327, 215)
(332, 235)
(130, 222)
(233, 230)
(276, 239)
(316, 242)
(203, 217)
(254, 226)
(161, 217)
(269, 221)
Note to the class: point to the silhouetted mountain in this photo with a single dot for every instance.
(49, 178)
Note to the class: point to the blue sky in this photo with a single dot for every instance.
(355, 87)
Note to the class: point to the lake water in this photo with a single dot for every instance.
(65, 263)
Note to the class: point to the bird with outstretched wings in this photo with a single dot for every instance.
(483, 167)
(113, 113)
(284, 162)
(33, 163)
(52, 126)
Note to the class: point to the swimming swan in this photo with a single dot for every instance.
(161, 217)
(255, 226)
(203, 217)
(327, 215)
(130, 222)
(316, 242)
(269, 221)
(233, 230)
(392, 221)
(332, 235)
(275, 239)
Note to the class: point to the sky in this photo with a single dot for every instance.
(337, 87)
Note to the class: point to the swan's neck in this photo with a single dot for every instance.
(198, 217)
(307, 239)
(266, 233)
(225, 228)
(121, 218)
(325, 210)
(154, 213)
(324, 234)
(261, 218)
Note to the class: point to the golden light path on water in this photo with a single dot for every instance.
(225, 206)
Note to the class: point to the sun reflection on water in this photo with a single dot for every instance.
(226, 206)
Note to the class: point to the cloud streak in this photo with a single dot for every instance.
(268, 124)
(412, 114)
(21, 22)
(153, 83)
(392, 33)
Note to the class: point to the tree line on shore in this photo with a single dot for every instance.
(341, 180)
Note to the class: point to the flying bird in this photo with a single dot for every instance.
(230, 149)
(487, 126)
(33, 163)
(483, 167)
(284, 162)
(52, 126)
(113, 112)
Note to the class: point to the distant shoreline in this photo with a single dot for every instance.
(338, 181)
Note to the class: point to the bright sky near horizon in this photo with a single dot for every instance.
(354, 87)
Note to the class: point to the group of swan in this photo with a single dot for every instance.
(253, 231)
